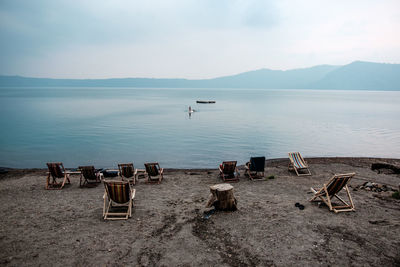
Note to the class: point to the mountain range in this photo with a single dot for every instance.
(357, 75)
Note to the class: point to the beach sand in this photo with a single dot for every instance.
(167, 228)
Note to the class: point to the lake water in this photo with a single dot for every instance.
(104, 126)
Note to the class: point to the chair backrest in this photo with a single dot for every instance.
(337, 182)
(297, 160)
(88, 172)
(126, 169)
(118, 191)
(228, 167)
(152, 169)
(56, 169)
(257, 164)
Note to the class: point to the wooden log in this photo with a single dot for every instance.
(222, 197)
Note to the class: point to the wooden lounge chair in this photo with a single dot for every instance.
(128, 172)
(298, 164)
(255, 168)
(56, 171)
(118, 200)
(89, 176)
(331, 189)
(153, 169)
(228, 171)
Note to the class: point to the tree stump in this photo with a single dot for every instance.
(222, 197)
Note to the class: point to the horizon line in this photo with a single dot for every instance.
(190, 79)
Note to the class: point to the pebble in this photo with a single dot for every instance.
(368, 184)
(375, 187)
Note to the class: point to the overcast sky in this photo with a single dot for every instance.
(191, 38)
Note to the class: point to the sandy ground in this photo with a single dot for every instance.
(65, 227)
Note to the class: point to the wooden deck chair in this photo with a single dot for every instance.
(128, 172)
(228, 171)
(118, 200)
(331, 189)
(255, 168)
(56, 171)
(153, 169)
(298, 164)
(89, 176)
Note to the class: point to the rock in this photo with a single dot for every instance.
(368, 184)
(386, 166)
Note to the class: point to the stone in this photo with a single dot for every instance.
(368, 184)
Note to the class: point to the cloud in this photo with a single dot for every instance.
(191, 38)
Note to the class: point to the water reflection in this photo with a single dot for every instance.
(103, 126)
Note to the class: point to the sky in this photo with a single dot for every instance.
(192, 39)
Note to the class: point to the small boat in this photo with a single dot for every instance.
(205, 102)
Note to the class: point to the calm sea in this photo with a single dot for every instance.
(104, 126)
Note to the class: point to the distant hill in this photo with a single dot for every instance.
(361, 76)
(354, 76)
(272, 79)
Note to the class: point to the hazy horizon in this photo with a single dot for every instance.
(191, 39)
(229, 74)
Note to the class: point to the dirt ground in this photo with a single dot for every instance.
(168, 228)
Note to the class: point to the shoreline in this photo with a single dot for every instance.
(272, 161)
(168, 227)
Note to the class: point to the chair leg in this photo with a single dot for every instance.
(346, 207)
(328, 198)
(351, 200)
(107, 209)
(130, 208)
(65, 180)
(302, 174)
(48, 181)
(104, 206)
(315, 192)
